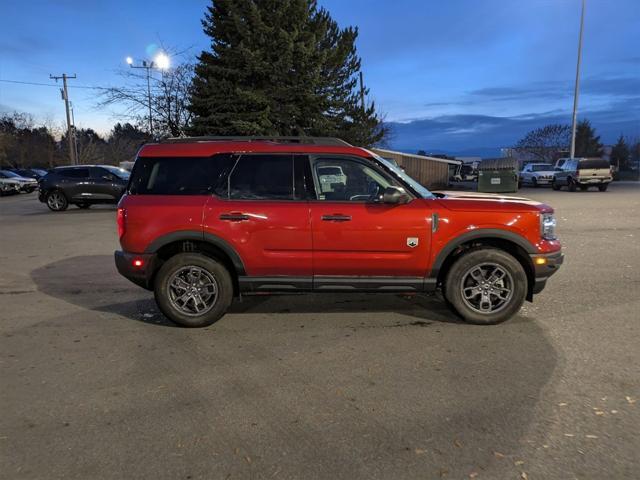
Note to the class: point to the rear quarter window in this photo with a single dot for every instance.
(179, 175)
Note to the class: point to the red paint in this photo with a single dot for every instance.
(290, 237)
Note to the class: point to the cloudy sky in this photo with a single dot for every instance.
(461, 76)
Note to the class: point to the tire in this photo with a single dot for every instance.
(603, 187)
(178, 271)
(554, 185)
(572, 185)
(57, 201)
(534, 182)
(83, 206)
(513, 284)
(583, 188)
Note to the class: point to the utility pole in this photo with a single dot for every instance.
(577, 87)
(161, 62)
(71, 134)
(364, 109)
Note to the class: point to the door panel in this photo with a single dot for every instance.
(376, 240)
(272, 238)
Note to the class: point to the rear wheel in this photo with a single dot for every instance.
(572, 185)
(555, 185)
(583, 188)
(56, 201)
(603, 187)
(193, 290)
(534, 182)
(486, 286)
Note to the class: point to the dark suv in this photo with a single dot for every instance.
(82, 185)
(207, 219)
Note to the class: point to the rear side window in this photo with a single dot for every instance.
(180, 176)
(73, 172)
(262, 177)
(593, 163)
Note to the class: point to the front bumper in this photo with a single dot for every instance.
(142, 274)
(545, 265)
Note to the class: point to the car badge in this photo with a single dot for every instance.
(412, 242)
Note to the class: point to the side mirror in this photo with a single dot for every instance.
(395, 196)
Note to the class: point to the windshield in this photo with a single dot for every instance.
(402, 175)
(8, 174)
(118, 172)
(542, 167)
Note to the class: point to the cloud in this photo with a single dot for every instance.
(486, 134)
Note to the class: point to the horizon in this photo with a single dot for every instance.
(445, 82)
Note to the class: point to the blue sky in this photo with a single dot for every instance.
(460, 76)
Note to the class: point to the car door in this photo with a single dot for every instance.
(104, 185)
(360, 242)
(263, 215)
(75, 183)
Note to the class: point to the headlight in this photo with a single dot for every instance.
(548, 226)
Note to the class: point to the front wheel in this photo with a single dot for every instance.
(486, 286)
(56, 201)
(603, 187)
(193, 290)
(554, 185)
(534, 182)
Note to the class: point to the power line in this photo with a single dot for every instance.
(51, 85)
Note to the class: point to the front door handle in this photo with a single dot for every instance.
(234, 217)
(336, 218)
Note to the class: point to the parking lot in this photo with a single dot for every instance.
(95, 383)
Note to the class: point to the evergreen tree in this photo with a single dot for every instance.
(587, 143)
(279, 67)
(620, 154)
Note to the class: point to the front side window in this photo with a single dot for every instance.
(262, 177)
(344, 180)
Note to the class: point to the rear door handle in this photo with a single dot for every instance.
(234, 217)
(336, 218)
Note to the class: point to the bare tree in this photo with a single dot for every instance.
(546, 144)
(169, 99)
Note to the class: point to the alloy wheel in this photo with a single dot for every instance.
(487, 288)
(193, 291)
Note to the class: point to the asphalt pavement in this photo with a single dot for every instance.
(96, 383)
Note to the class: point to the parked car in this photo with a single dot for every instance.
(536, 174)
(36, 173)
(83, 186)
(8, 186)
(205, 220)
(583, 173)
(26, 184)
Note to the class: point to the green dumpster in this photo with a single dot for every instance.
(498, 175)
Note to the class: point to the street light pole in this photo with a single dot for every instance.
(161, 63)
(577, 87)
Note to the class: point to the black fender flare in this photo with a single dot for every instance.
(199, 236)
(480, 233)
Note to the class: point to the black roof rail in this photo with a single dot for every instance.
(275, 139)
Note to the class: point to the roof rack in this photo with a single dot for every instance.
(275, 139)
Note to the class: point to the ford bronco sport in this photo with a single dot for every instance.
(207, 219)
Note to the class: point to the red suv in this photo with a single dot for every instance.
(207, 219)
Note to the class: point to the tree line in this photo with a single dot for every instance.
(550, 142)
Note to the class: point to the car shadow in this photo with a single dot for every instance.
(92, 282)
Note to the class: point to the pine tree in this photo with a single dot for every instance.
(620, 154)
(587, 143)
(279, 67)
